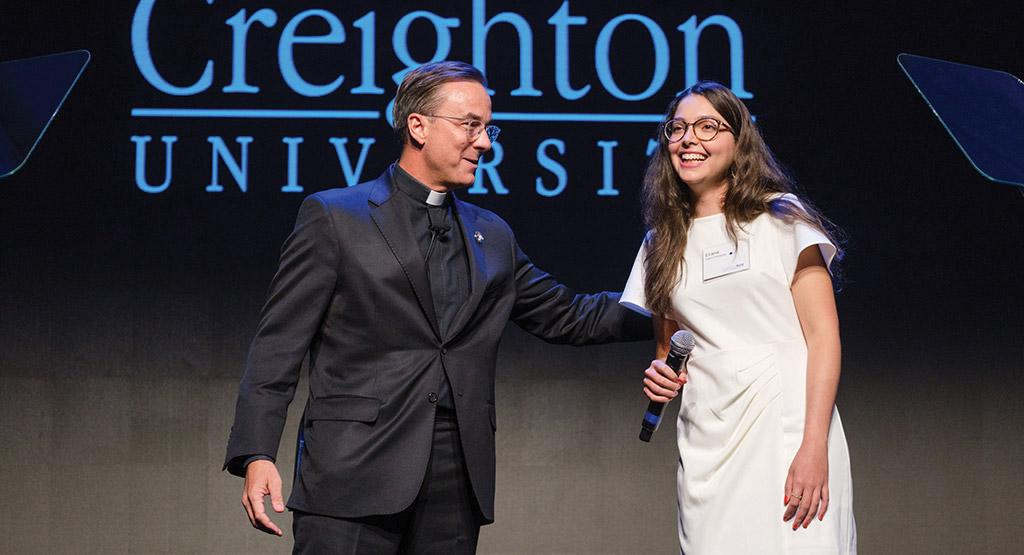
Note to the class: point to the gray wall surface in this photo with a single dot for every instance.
(124, 464)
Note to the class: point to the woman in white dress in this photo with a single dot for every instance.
(735, 257)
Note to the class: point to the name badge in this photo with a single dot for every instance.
(725, 259)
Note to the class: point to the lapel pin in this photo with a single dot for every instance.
(478, 236)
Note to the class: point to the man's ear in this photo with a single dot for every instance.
(416, 124)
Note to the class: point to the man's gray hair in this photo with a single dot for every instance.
(418, 92)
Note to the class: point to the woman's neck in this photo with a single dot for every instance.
(709, 200)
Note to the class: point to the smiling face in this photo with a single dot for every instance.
(702, 165)
(449, 159)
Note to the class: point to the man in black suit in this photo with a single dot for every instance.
(399, 292)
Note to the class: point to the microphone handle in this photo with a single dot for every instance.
(652, 418)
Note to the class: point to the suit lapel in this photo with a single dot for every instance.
(477, 267)
(397, 231)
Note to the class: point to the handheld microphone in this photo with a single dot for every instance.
(679, 350)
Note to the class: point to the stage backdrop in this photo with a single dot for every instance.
(137, 244)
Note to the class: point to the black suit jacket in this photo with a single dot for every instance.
(352, 291)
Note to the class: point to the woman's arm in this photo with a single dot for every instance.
(807, 482)
(661, 384)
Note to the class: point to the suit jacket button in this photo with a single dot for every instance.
(432, 397)
(444, 351)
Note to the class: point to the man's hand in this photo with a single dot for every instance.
(261, 480)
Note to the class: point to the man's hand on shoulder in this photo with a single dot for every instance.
(261, 480)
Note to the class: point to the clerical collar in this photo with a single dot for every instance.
(416, 190)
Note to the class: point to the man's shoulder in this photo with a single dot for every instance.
(342, 197)
(348, 198)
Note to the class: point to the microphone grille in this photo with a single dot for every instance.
(683, 342)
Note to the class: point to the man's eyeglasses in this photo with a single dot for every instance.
(474, 127)
(704, 129)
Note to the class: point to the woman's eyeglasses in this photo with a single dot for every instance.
(704, 129)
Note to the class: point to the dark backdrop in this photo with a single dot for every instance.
(125, 315)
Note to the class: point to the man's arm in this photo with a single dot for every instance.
(238, 464)
(555, 313)
(300, 293)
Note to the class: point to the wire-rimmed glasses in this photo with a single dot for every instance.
(474, 127)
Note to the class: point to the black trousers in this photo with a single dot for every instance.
(444, 518)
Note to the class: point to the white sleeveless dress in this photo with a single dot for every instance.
(741, 415)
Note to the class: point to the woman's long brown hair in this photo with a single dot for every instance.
(755, 180)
